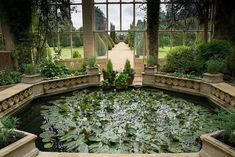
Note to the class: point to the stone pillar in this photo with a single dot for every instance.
(88, 27)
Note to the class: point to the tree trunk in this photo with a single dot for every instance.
(225, 21)
(153, 9)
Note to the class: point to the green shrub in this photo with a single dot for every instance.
(227, 124)
(50, 69)
(215, 66)
(127, 68)
(140, 47)
(121, 80)
(111, 40)
(107, 42)
(180, 59)
(77, 54)
(100, 46)
(231, 63)
(108, 73)
(30, 69)
(216, 49)
(11, 77)
(7, 133)
(91, 62)
(151, 62)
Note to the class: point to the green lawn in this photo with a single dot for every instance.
(66, 52)
(163, 51)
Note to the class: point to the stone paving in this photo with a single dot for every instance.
(119, 54)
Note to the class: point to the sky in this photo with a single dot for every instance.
(114, 15)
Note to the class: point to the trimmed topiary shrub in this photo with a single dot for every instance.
(111, 41)
(180, 59)
(140, 47)
(77, 54)
(107, 42)
(100, 46)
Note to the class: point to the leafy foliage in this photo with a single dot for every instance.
(151, 61)
(227, 123)
(129, 71)
(77, 54)
(215, 65)
(91, 62)
(108, 73)
(50, 69)
(180, 59)
(11, 77)
(7, 133)
(30, 69)
(131, 121)
(121, 80)
(101, 49)
(216, 49)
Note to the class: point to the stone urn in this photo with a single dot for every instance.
(150, 70)
(211, 147)
(92, 70)
(30, 79)
(213, 78)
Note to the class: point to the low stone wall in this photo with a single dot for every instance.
(221, 93)
(14, 98)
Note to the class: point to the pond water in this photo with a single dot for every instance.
(130, 121)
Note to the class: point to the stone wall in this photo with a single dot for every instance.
(14, 98)
(221, 93)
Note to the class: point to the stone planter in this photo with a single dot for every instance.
(131, 79)
(92, 70)
(211, 147)
(213, 78)
(150, 70)
(30, 79)
(24, 147)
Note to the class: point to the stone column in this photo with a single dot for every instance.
(88, 27)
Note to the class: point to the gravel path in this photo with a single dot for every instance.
(119, 54)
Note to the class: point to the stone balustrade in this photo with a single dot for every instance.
(221, 93)
(14, 98)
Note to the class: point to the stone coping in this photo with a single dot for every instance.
(56, 154)
(18, 149)
(215, 148)
(227, 88)
(221, 93)
(14, 98)
(13, 90)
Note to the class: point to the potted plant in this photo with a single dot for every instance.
(221, 143)
(108, 73)
(214, 68)
(14, 143)
(51, 70)
(91, 66)
(105, 84)
(151, 66)
(121, 80)
(31, 74)
(129, 71)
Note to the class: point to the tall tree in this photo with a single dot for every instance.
(224, 21)
(153, 10)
